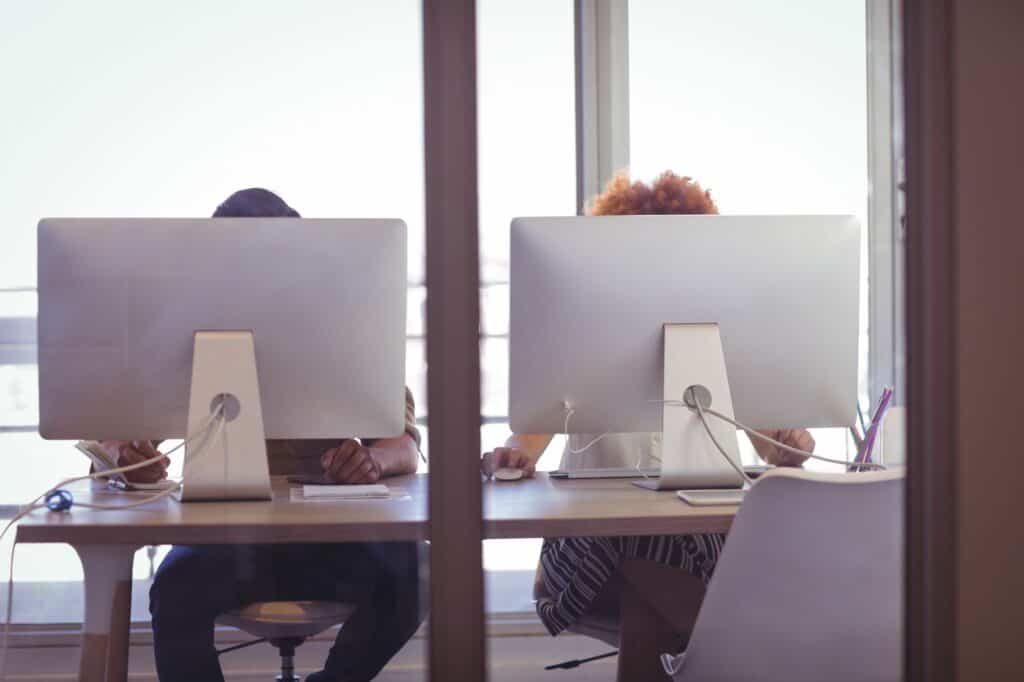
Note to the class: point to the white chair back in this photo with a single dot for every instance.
(809, 586)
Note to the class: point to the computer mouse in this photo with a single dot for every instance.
(508, 474)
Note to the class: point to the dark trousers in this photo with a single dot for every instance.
(195, 584)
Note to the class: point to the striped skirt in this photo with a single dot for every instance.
(575, 569)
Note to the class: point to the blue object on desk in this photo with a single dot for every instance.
(59, 500)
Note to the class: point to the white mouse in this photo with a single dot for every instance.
(508, 474)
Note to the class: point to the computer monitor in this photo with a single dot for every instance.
(316, 306)
(590, 297)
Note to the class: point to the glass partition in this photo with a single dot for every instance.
(119, 108)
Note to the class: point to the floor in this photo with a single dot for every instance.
(511, 658)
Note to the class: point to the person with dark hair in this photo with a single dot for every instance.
(195, 584)
(255, 202)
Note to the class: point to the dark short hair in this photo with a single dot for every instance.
(255, 202)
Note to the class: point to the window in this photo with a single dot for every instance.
(527, 167)
(762, 103)
(129, 109)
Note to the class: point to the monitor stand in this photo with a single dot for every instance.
(232, 466)
(689, 460)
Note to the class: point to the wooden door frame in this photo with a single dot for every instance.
(931, 348)
(457, 631)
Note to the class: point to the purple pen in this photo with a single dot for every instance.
(876, 423)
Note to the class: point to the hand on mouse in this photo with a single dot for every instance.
(507, 458)
(351, 462)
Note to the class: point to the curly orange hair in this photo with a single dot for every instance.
(668, 194)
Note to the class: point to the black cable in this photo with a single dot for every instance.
(242, 645)
(567, 665)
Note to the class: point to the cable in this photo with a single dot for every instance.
(787, 448)
(700, 409)
(10, 610)
(32, 506)
(569, 412)
(640, 458)
(739, 470)
(242, 645)
(575, 663)
(163, 493)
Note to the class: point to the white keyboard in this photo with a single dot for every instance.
(615, 472)
(630, 472)
(711, 498)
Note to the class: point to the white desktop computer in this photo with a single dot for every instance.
(292, 328)
(612, 318)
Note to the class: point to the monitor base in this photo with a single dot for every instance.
(234, 466)
(689, 458)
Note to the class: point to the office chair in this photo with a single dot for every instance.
(809, 586)
(286, 625)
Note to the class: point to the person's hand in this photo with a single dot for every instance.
(800, 439)
(512, 458)
(351, 462)
(128, 452)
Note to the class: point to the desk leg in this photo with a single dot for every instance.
(108, 606)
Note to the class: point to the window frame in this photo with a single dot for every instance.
(886, 204)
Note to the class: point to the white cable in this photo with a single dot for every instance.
(7, 627)
(760, 436)
(639, 458)
(167, 491)
(33, 505)
(739, 470)
(569, 412)
(201, 432)
(787, 448)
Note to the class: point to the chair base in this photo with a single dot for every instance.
(286, 647)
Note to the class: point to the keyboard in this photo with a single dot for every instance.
(711, 498)
(613, 472)
(632, 472)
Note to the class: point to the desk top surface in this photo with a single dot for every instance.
(529, 508)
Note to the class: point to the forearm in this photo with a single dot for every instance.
(532, 445)
(396, 456)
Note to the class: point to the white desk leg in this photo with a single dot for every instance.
(108, 606)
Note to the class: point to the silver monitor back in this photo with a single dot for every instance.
(590, 295)
(120, 300)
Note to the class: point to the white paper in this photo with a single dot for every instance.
(345, 492)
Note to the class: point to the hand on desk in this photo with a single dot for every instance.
(128, 452)
(512, 458)
(351, 462)
(800, 439)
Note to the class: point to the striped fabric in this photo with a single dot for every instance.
(575, 569)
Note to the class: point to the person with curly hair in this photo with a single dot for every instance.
(652, 586)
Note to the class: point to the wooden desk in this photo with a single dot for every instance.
(547, 507)
(106, 541)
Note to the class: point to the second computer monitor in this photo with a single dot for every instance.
(590, 296)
